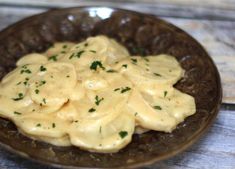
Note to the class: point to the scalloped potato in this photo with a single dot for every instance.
(93, 95)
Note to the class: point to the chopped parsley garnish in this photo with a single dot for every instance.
(43, 69)
(93, 51)
(91, 110)
(78, 55)
(124, 65)
(18, 113)
(71, 56)
(156, 74)
(18, 83)
(116, 89)
(98, 100)
(86, 44)
(100, 129)
(94, 65)
(38, 125)
(136, 113)
(26, 81)
(44, 101)
(36, 91)
(67, 76)
(20, 97)
(111, 71)
(125, 89)
(54, 58)
(42, 82)
(65, 46)
(123, 134)
(134, 60)
(157, 107)
(146, 59)
(165, 93)
(53, 125)
(63, 52)
(25, 70)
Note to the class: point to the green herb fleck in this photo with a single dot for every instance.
(53, 125)
(111, 71)
(44, 101)
(123, 134)
(20, 97)
(100, 129)
(116, 89)
(67, 76)
(65, 46)
(146, 59)
(86, 44)
(38, 125)
(42, 68)
(71, 56)
(26, 81)
(63, 52)
(165, 93)
(78, 55)
(93, 51)
(96, 64)
(134, 60)
(42, 82)
(136, 113)
(54, 58)
(98, 100)
(156, 74)
(36, 91)
(18, 113)
(125, 89)
(124, 65)
(25, 70)
(18, 83)
(157, 107)
(91, 110)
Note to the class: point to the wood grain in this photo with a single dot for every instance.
(200, 9)
(217, 148)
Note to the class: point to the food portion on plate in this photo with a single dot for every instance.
(93, 95)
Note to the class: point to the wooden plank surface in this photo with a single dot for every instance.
(212, 9)
(217, 148)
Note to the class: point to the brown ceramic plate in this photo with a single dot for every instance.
(142, 34)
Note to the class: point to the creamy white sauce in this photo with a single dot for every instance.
(93, 95)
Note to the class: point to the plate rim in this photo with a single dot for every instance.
(197, 135)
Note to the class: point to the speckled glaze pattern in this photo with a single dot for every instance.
(142, 34)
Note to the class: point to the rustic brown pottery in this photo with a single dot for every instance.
(142, 34)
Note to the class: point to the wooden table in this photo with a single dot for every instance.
(212, 23)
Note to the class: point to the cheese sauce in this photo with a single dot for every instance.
(93, 95)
